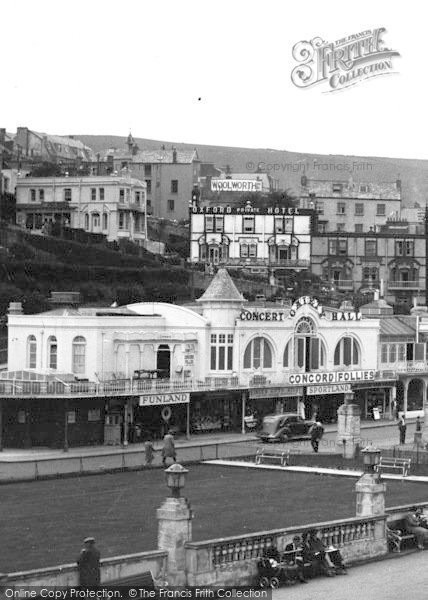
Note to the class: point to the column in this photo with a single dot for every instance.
(66, 425)
(1, 425)
(425, 405)
(125, 423)
(406, 388)
(243, 412)
(348, 426)
(370, 496)
(174, 530)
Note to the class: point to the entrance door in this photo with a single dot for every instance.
(213, 255)
(46, 424)
(163, 363)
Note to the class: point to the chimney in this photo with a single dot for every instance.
(398, 185)
(174, 155)
(15, 308)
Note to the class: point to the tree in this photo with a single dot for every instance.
(276, 199)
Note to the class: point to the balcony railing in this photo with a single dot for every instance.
(344, 284)
(286, 263)
(404, 285)
(406, 366)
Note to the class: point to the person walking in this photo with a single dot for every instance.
(168, 450)
(149, 451)
(402, 429)
(88, 564)
(316, 433)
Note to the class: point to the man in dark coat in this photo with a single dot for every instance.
(402, 429)
(89, 564)
(316, 432)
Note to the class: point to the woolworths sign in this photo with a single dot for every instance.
(236, 185)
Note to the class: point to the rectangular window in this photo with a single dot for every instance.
(253, 251)
(174, 186)
(128, 195)
(322, 227)
(121, 219)
(219, 224)
(337, 188)
(149, 186)
(338, 246)
(288, 225)
(364, 189)
(401, 352)
(279, 225)
(67, 195)
(209, 223)
(33, 195)
(248, 224)
(147, 170)
(53, 355)
(343, 247)
(380, 210)
(319, 207)
(341, 208)
(137, 198)
(93, 194)
(122, 196)
(409, 248)
(359, 209)
(171, 204)
(384, 353)
(41, 195)
(221, 352)
(340, 227)
(358, 228)
(371, 248)
(243, 250)
(399, 248)
(101, 193)
(94, 414)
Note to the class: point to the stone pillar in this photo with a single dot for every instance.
(406, 388)
(174, 530)
(348, 426)
(370, 496)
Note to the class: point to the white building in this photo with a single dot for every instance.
(198, 367)
(258, 238)
(109, 205)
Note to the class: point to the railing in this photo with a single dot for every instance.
(265, 262)
(334, 534)
(346, 284)
(404, 285)
(129, 386)
(409, 366)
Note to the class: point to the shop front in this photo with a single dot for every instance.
(270, 400)
(155, 414)
(322, 401)
(216, 411)
(376, 401)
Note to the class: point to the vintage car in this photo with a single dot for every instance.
(283, 427)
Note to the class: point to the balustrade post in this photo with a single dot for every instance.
(348, 430)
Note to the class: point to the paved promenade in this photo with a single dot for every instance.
(391, 579)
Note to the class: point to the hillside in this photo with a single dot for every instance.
(288, 167)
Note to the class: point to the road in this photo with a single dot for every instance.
(392, 579)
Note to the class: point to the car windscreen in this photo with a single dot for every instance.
(270, 424)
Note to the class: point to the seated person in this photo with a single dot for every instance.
(422, 518)
(333, 555)
(293, 557)
(413, 525)
(272, 555)
(317, 552)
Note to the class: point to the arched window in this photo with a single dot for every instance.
(31, 352)
(305, 326)
(105, 221)
(52, 352)
(79, 355)
(258, 354)
(347, 352)
(86, 221)
(95, 219)
(286, 361)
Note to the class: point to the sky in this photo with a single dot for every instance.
(211, 73)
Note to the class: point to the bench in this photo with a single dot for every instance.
(401, 464)
(397, 534)
(263, 453)
(144, 580)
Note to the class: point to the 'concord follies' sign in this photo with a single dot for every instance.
(331, 377)
(160, 399)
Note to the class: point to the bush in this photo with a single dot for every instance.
(22, 252)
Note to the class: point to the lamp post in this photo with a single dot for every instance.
(175, 525)
(371, 458)
(176, 479)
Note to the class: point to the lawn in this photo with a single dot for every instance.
(43, 523)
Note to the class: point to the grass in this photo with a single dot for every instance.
(43, 523)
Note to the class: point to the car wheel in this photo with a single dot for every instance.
(274, 583)
(264, 582)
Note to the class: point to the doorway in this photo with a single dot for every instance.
(163, 362)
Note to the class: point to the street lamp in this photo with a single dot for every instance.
(175, 479)
(371, 458)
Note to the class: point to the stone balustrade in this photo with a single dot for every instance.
(233, 561)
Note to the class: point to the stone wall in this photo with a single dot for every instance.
(112, 569)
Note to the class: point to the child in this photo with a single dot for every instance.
(149, 450)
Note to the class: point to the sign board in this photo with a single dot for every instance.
(376, 413)
(236, 185)
(251, 210)
(331, 377)
(275, 392)
(315, 390)
(161, 399)
(261, 315)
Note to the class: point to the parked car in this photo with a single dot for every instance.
(283, 427)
